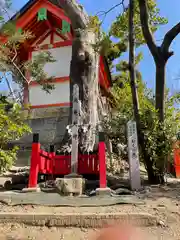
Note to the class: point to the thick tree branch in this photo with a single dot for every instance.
(79, 18)
(146, 29)
(169, 37)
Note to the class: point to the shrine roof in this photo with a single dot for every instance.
(39, 28)
(28, 5)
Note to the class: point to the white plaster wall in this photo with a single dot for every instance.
(61, 94)
(61, 67)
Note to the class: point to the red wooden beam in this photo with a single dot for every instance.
(52, 37)
(177, 159)
(43, 37)
(65, 104)
(59, 25)
(102, 161)
(49, 24)
(55, 45)
(35, 160)
(55, 80)
(32, 12)
(105, 81)
(60, 35)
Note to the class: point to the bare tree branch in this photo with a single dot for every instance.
(146, 29)
(169, 37)
(104, 13)
(17, 68)
(100, 13)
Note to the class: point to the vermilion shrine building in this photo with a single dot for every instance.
(52, 31)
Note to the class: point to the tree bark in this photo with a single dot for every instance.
(160, 54)
(160, 89)
(83, 72)
(132, 63)
(153, 177)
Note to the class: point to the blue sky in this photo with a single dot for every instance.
(167, 9)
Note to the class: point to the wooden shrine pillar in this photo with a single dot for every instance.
(35, 159)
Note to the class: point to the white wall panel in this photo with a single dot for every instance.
(61, 67)
(61, 94)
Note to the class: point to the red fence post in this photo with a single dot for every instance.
(35, 157)
(177, 159)
(52, 157)
(102, 160)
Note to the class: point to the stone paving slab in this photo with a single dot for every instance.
(78, 220)
(54, 199)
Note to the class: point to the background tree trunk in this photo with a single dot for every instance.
(153, 176)
(160, 89)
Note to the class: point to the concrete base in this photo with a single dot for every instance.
(70, 186)
(103, 191)
(91, 220)
(27, 190)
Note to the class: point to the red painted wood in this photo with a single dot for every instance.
(102, 165)
(103, 74)
(52, 38)
(55, 45)
(61, 35)
(88, 164)
(177, 159)
(43, 37)
(42, 165)
(34, 168)
(55, 80)
(62, 165)
(29, 15)
(66, 104)
(50, 164)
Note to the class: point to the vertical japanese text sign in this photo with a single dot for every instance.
(133, 154)
(75, 124)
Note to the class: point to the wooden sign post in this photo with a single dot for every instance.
(133, 154)
(75, 123)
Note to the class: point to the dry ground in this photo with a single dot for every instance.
(163, 202)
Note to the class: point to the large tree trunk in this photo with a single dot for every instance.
(83, 72)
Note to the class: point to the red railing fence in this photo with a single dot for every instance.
(49, 163)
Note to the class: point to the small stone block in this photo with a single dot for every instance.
(26, 190)
(70, 186)
(103, 191)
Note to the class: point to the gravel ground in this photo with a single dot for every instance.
(163, 202)
(17, 232)
(166, 209)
